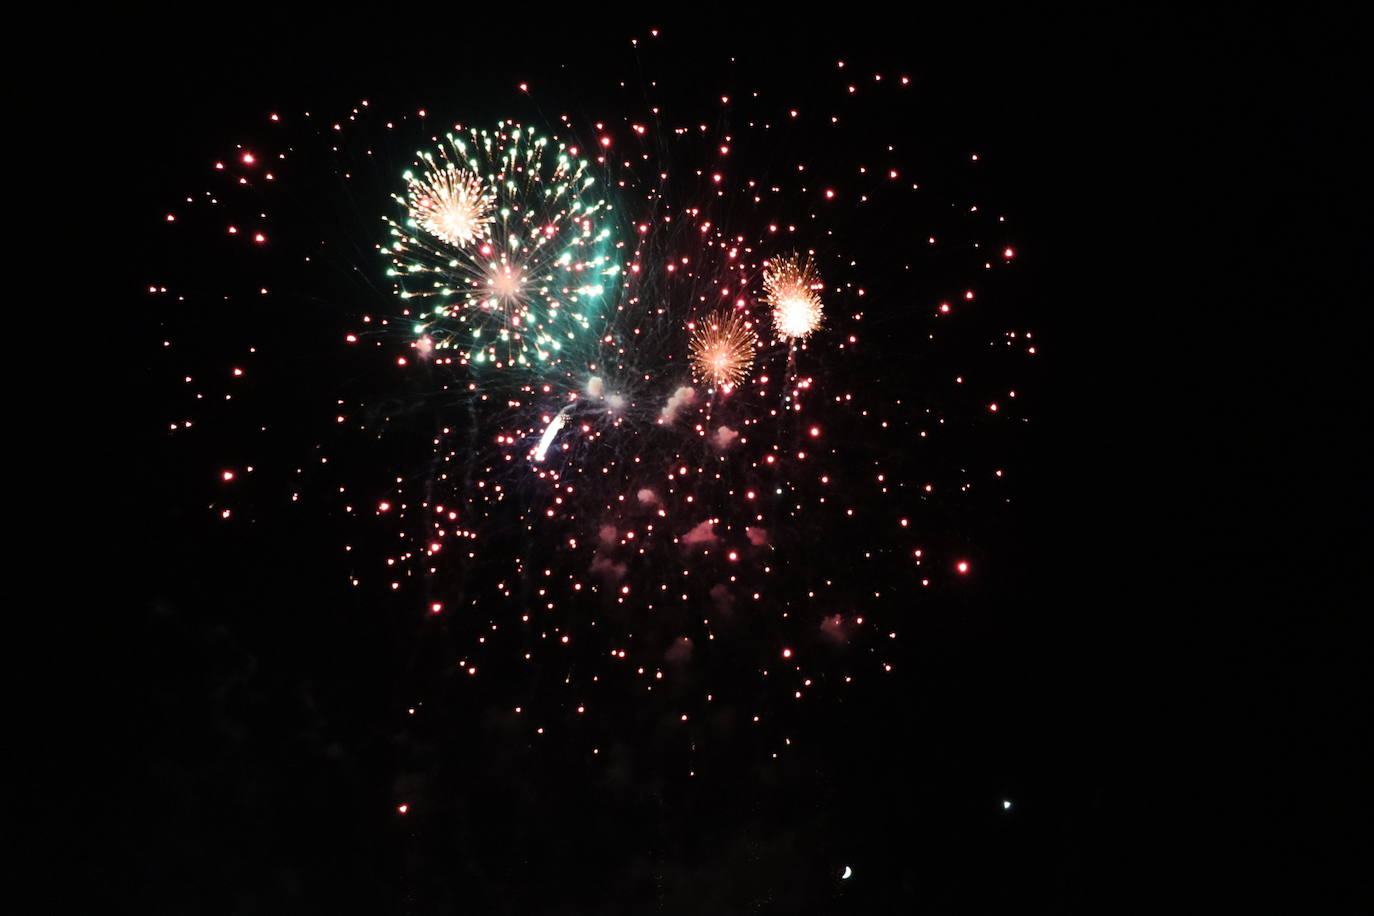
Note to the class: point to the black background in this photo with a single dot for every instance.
(1178, 711)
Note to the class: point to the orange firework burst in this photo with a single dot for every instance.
(722, 349)
(791, 286)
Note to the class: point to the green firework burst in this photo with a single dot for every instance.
(507, 251)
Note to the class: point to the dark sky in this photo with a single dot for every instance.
(1164, 677)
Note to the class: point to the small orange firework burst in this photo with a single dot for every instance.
(451, 204)
(722, 349)
(791, 285)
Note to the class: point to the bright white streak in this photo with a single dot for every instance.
(549, 432)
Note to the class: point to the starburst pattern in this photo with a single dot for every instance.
(507, 246)
(792, 285)
(449, 203)
(722, 349)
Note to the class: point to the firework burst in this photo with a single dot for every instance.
(512, 443)
(506, 245)
(449, 203)
(791, 285)
(722, 349)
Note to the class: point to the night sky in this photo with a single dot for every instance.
(1144, 687)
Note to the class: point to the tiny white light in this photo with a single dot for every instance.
(848, 872)
(1006, 806)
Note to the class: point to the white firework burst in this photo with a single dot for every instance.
(449, 203)
(791, 286)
